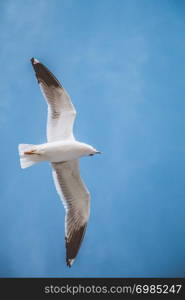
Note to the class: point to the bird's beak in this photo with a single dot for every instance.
(98, 152)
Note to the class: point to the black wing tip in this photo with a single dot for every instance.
(43, 74)
(69, 262)
(34, 61)
(73, 245)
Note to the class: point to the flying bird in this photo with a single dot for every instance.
(63, 152)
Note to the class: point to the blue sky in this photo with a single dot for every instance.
(122, 62)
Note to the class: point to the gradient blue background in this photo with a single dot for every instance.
(123, 64)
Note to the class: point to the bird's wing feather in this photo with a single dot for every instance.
(76, 200)
(61, 112)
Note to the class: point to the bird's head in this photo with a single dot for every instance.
(94, 151)
(88, 150)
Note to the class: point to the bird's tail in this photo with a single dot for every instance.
(28, 155)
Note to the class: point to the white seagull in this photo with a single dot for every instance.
(63, 152)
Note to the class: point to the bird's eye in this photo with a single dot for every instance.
(91, 154)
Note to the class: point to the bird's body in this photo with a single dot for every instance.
(63, 152)
(59, 151)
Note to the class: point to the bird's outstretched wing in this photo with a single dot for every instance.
(76, 200)
(61, 112)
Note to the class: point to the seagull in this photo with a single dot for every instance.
(63, 152)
